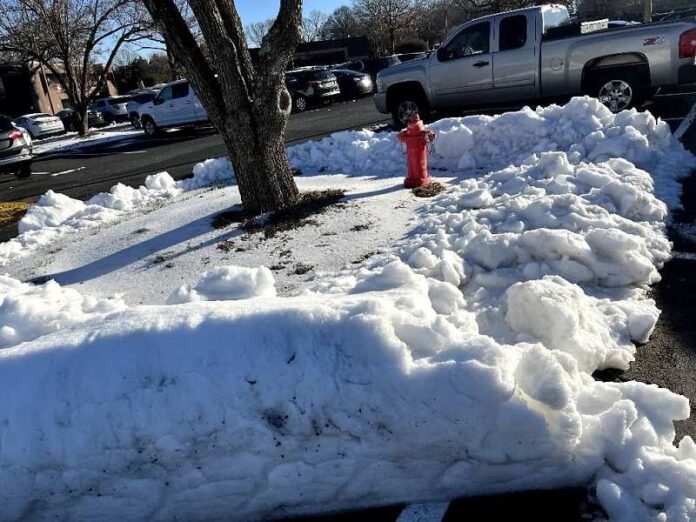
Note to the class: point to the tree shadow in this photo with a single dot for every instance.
(134, 253)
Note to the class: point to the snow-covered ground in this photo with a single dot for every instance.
(391, 350)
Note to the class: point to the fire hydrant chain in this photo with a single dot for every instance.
(418, 142)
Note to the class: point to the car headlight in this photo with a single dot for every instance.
(380, 84)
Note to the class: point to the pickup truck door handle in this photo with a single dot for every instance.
(481, 64)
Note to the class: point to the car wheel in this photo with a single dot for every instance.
(619, 89)
(135, 121)
(150, 128)
(24, 171)
(406, 105)
(300, 104)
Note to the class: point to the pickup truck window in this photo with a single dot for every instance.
(513, 32)
(165, 94)
(555, 17)
(180, 90)
(473, 40)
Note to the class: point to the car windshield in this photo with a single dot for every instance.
(322, 75)
(119, 100)
(347, 72)
(144, 98)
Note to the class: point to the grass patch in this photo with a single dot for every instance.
(298, 215)
(11, 212)
(428, 191)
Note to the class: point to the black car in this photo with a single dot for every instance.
(72, 123)
(352, 83)
(372, 66)
(310, 87)
(15, 149)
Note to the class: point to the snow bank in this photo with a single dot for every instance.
(286, 406)
(227, 283)
(28, 311)
(55, 215)
(584, 129)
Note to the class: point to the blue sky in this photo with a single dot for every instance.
(257, 10)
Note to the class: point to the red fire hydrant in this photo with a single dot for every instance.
(416, 138)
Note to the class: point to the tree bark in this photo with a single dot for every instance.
(83, 119)
(249, 106)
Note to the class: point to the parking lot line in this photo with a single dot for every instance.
(688, 121)
(433, 512)
(674, 94)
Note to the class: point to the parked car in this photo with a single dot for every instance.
(112, 108)
(311, 87)
(176, 105)
(15, 149)
(373, 66)
(352, 83)
(72, 123)
(40, 125)
(537, 53)
(134, 104)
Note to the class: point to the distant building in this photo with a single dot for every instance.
(33, 88)
(327, 52)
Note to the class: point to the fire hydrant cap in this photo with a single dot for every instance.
(415, 123)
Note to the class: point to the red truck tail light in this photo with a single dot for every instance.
(687, 44)
(15, 135)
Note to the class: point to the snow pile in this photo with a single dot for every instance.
(292, 405)
(459, 363)
(55, 215)
(226, 283)
(584, 128)
(28, 311)
(499, 236)
(210, 172)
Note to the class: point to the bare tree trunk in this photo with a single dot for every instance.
(249, 106)
(257, 150)
(83, 119)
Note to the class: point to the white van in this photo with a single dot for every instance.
(176, 105)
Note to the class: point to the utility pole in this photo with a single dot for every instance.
(647, 11)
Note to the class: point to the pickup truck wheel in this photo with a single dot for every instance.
(405, 106)
(619, 90)
(150, 128)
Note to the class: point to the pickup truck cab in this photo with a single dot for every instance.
(176, 105)
(537, 53)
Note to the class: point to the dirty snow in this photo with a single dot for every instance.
(455, 359)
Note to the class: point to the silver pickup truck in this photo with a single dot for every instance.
(537, 53)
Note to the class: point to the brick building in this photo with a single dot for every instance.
(33, 88)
